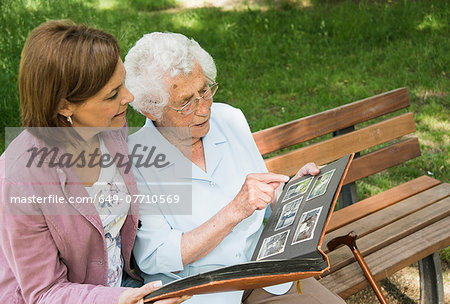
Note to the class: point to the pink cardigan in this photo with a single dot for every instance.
(59, 257)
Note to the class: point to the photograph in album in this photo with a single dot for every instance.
(288, 214)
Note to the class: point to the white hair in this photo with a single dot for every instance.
(156, 57)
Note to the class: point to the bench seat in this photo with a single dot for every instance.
(409, 227)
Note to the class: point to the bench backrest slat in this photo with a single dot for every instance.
(381, 201)
(303, 129)
(393, 212)
(336, 147)
(385, 235)
(382, 159)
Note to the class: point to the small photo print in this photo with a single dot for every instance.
(321, 184)
(297, 188)
(273, 245)
(306, 226)
(288, 214)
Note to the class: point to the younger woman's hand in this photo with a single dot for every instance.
(136, 295)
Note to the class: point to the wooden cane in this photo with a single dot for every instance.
(350, 241)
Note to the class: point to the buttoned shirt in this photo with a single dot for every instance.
(230, 155)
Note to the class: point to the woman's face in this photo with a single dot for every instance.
(182, 89)
(107, 108)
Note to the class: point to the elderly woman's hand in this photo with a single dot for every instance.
(257, 191)
(309, 168)
(136, 295)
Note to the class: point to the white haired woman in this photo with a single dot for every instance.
(173, 81)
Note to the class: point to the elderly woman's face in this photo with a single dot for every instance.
(182, 90)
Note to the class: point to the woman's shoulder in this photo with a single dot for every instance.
(23, 151)
(225, 109)
(227, 114)
(17, 148)
(230, 122)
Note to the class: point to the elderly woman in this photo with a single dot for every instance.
(173, 80)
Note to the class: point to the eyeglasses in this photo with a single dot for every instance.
(192, 104)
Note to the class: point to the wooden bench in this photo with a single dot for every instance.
(400, 226)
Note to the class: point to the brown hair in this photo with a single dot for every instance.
(63, 60)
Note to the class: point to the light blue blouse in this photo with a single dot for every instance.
(230, 154)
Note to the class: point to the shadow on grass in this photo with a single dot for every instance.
(396, 292)
(154, 5)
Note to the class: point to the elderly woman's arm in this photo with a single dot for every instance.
(257, 191)
(173, 249)
(160, 248)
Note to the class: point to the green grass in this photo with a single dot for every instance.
(281, 61)
(281, 64)
(153, 5)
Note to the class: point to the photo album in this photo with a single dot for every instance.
(289, 247)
